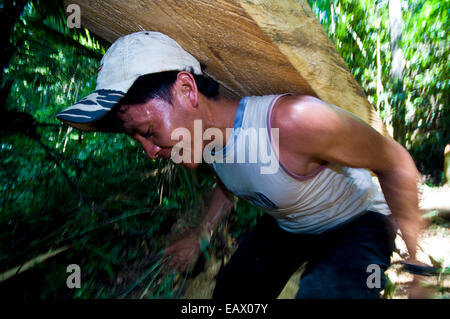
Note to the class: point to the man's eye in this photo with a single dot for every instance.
(148, 134)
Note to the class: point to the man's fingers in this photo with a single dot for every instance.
(178, 264)
(177, 260)
(169, 249)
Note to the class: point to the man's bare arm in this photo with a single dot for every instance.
(322, 132)
(184, 253)
(219, 206)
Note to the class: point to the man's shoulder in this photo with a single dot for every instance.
(299, 99)
(294, 102)
(299, 120)
(293, 112)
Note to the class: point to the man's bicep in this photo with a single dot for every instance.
(335, 135)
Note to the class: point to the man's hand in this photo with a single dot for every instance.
(184, 253)
(416, 289)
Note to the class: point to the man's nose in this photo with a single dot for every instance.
(152, 150)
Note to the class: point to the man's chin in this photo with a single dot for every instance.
(190, 166)
(187, 165)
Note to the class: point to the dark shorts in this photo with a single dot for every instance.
(337, 267)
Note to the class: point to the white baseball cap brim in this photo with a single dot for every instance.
(90, 109)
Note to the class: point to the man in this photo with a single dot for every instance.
(321, 204)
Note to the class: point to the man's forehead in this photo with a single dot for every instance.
(134, 117)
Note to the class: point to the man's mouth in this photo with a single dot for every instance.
(167, 154)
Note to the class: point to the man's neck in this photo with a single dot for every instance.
(220, 114)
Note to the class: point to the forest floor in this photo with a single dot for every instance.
(434, 249)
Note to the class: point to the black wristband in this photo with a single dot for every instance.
(420, 270)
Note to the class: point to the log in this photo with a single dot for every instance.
(251, 47)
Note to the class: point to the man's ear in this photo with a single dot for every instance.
(187, 87)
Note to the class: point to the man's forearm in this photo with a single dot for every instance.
(219, 205)
(399, 186)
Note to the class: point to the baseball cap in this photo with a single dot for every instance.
(129, 57)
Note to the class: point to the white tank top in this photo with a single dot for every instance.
(329, 197)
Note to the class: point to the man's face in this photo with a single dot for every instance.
(152, 124)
